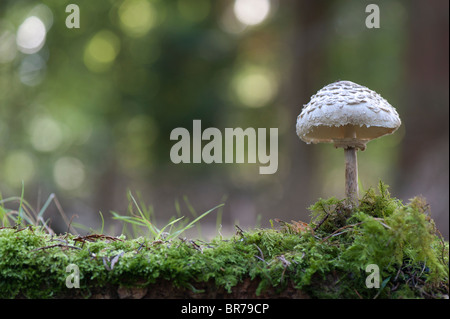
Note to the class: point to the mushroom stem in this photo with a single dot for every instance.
(351, 175)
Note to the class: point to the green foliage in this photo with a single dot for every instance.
(328, 259)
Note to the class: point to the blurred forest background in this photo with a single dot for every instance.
(87, 113)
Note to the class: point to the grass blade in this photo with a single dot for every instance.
(169, 224)
(103, 222)
(47, 203)
(149, 225)
(194, 221)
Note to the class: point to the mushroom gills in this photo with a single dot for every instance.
(339, 135)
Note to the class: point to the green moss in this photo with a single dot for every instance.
(328, 259)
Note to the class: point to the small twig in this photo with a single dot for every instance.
(378, 293)
(28, 227)
(337, 231)
(285, 263)
(256, 256)
(395, 287)
(140, 247)
(49, 230)
(105, 258)
(323, 219)
(398, 273)
(413, 277)
(386, 226)
(422, 291)
(260, 251)
(70, 223)
(407, 282)
(196, 246)
(116, 259)
(239, 230)
(424, 266)
(356, 291)
(94, 237)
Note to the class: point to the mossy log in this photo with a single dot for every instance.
(325, 258)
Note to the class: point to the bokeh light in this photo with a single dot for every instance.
(32, 69)
(251, 12)
(45, 134)
(18, 167)
(44, 13)
(69, 173)
(31, 35)
(254, 86)
(101, 51)
(137, 17)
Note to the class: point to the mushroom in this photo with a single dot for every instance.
(348, 115)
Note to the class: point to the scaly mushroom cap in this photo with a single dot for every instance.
(346, 114)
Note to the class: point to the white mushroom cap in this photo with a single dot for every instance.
(346, 114)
